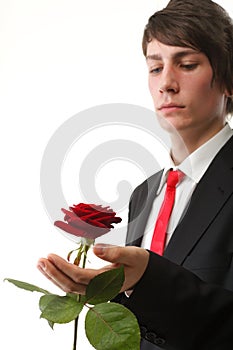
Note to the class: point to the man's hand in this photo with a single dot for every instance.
(73, 279)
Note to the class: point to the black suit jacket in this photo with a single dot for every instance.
(184, 300)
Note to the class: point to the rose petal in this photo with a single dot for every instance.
(96, 223)
(70, 229)
(82, 224)
(108, 221)
(70, 216)
(80, 212)
(88, 220)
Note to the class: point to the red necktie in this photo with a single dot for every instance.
(160, 231)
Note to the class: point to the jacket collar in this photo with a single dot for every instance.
(213, 190)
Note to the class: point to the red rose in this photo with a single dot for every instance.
(88, 220)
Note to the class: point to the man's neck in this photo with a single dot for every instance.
(183, 145)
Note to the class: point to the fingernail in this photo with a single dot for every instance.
(99, 249)
(41, 266)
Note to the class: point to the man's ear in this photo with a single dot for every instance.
(228, 93)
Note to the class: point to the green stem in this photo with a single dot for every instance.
(83, 249)
(75, 333)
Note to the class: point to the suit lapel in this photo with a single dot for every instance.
(213, 190)
(140, 208)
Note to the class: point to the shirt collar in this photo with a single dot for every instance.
(196, 164)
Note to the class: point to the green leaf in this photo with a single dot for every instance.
(59, 309)
(27, 286)
(105, 286)
(51, 324)
(43, 304)
(72, 295)
(45, 300)
(111, 326)
(81, 298)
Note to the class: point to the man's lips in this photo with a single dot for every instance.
(170, 106)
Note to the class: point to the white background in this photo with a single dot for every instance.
(57, 58)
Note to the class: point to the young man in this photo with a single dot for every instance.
(184, 299)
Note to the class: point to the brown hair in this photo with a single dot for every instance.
(202, 25)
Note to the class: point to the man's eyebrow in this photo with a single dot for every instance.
(176, 55)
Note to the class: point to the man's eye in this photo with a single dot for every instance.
(155, 70)
(189, 66)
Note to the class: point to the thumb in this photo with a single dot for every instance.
(128, 256)
(111, 253)
(134, 259)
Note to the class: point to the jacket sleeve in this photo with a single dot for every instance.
(178, 311)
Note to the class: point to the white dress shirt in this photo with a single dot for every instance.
(194, 167)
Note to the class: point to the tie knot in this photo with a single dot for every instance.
(174, 176)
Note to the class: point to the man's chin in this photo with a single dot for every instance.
(168, 124)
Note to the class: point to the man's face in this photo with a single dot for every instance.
(180, 83)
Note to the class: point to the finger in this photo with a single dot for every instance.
(75, 273)
(60, 279)
(134, 259)
(119, 255)
(42, 268)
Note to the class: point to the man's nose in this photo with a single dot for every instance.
(169, 81)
